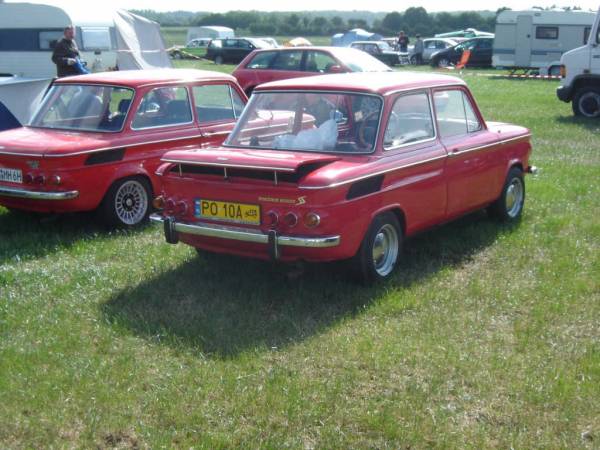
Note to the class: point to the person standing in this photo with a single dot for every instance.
(66, 54)
(419, 47)
(403, 42)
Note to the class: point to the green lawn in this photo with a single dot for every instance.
(488, 336)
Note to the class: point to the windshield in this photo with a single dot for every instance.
(359, 61)
(309, 121)
(384, 46)
(84, 108)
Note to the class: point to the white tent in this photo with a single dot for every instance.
(139, 43)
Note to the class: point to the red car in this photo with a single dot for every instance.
(365, 161)
(262, 66)
(96, 140)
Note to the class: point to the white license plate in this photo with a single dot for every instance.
(11, 175)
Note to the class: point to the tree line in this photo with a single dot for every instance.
(414, 20)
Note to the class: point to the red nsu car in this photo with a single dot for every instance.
(364, 161)
(96, 140)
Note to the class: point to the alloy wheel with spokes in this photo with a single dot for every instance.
(127, 202)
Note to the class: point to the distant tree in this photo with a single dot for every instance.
(357, 23)
(319, 26)
(392, 22)
(337, 24)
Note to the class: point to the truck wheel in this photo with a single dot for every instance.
(379, 250)
(586, 102)
(509, 206)
(218, 59)
(127, 202)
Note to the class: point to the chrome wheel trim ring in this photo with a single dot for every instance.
(514, 197)
(131, 202)
(385, 250)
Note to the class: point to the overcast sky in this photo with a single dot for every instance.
(79, 6)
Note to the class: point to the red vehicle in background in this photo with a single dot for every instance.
(96, 140)
(262, 66)
(362, 162)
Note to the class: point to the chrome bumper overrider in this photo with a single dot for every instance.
(37, 195)
(272, 239)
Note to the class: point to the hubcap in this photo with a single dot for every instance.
(385, 250)
(131, 202)
(589, 104)
(514, 197)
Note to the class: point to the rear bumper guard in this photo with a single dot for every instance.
(272, 239)
(37, 195)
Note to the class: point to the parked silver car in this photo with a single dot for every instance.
(431, 46)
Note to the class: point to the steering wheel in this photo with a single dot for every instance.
(362, 127)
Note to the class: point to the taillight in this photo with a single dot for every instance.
(273, 218)
(28, 178)
(40, 179)
(311, 220)
(158, 202)
(55, 179)
(170, 206)
(182, 207)
(290, 219)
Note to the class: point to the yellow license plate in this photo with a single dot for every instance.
(227, 211)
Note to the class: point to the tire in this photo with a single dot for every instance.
(443, 62)
(413, 60)
(218, 59)
(509, 206)
(586, 102)
(127, 202)
(554, 71)
(380, 249)
(177, 55)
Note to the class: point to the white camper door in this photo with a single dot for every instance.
(523, 41)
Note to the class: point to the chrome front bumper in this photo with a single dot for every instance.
(37, 195)
(272, 239)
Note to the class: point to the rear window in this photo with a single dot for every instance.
(261, 60)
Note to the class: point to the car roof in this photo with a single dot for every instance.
(138, 78)
(381, 83)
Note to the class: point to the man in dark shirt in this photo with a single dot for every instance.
(66, 54)
(403, 42)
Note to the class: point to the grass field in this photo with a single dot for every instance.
(487, 336)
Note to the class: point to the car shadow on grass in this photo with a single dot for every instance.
(25, 236)
(221, 306)
(591, 124)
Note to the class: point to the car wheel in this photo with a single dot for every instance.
(509, 206)
(413, 60)
(379, 250)
(218, 59)
(127, 202)
(443, 62)
(554, 71)
(176, 55)
(586, 102)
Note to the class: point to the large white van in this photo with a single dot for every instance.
(536, 39)
(580, 73)
(29, 31)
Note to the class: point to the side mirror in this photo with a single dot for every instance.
(336, 68)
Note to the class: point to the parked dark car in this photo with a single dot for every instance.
(233, 50)
(481, 53)
(380, 50)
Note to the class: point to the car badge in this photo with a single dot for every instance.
(301, 200)
(33, 164)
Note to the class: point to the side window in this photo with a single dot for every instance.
(48, 39)
(410, 121)
(214, 102)
(586, 34)
(261, 60)
(442, 45)
(455, 114)
(95, 38)
(546, 32)
(287, 60)
(319, 62)
(162, 107)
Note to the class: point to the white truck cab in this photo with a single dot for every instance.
(580, 73)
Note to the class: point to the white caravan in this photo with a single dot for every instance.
(537, 39)
(580, 72)
(28, 33)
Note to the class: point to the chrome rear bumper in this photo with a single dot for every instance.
(272, 239)
(37, 195)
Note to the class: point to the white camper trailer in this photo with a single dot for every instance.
(28, 33)
(537, 39)
(209, 32)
